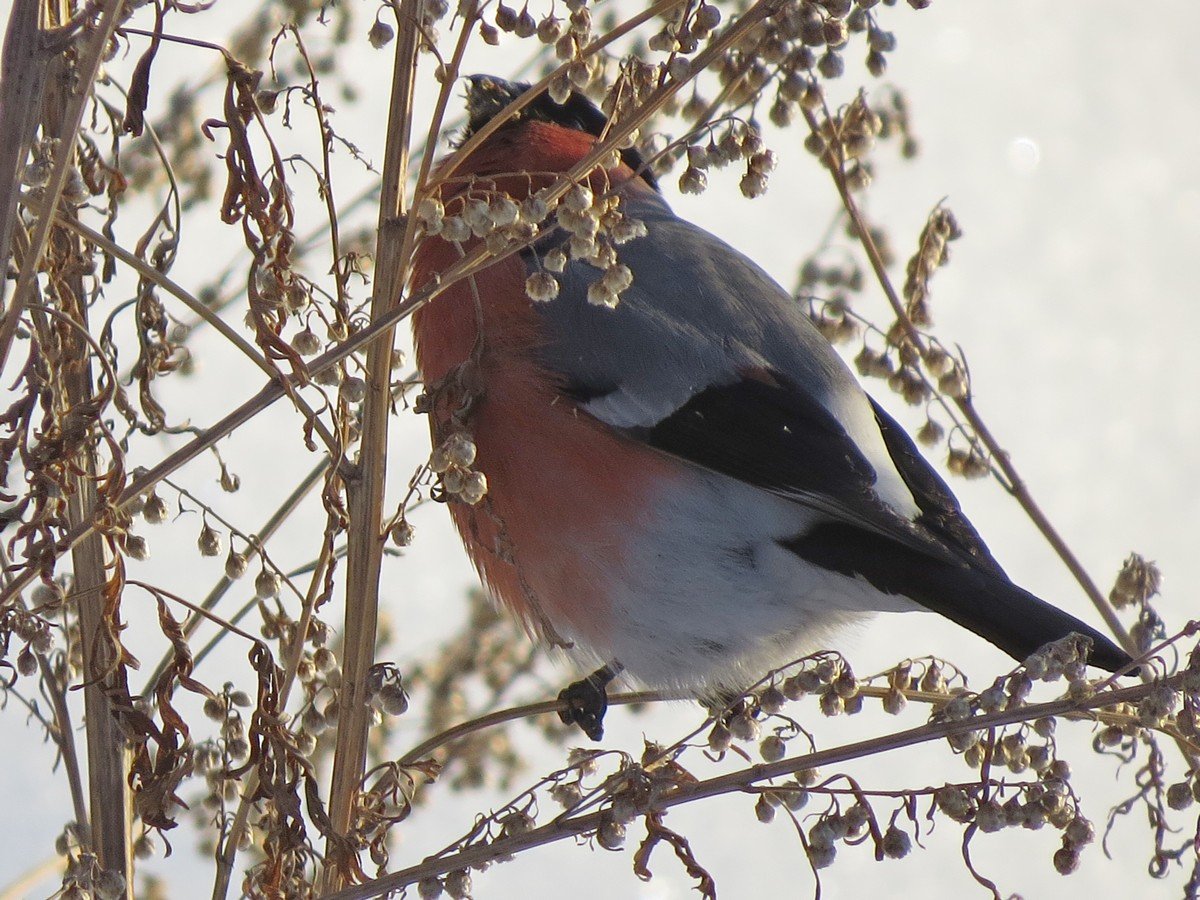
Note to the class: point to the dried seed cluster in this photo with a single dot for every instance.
(741, 142)
(451, 461)
(932, 253)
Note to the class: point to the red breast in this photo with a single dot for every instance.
(563, 489)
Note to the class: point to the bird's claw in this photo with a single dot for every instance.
(586, 701)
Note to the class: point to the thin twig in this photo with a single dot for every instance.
(733, 782)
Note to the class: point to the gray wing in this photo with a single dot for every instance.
(707, 357)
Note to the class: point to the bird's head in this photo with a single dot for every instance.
(487, 96)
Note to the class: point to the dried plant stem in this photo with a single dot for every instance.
(1015, 484)
(228, 847)
(64, 739)
(108, 753)
(367, 481)
(22, 77)
(202, 311)
(109, 825)
(261, 537)
(567, 826)
(525, 711)
(83, 76)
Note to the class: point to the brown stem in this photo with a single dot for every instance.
(733, 782)
(366, 481)
(83, 76)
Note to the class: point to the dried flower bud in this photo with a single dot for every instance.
(458, 884)
(549, 30)
(306, 343)
(567, 794)
(578, 199)
(136, 547)
(707, 18)
(764, 810)
(1138, 581)
(460, 449)
(209, 541)
(599, 294)
(882, 41)
(1079, 832)
(429, 888)
(353, 389)
(611, 835)
(380, 35)
(821, 856)
(504, 210)
(455, 229)
(753, 184)
(155, 509)
(744, 726)
(534, 210)
(852, 823)
(692, 181)
(439, 460)
(214, 708)
(894, 702)
(526, 25)
(627, 230)
(719, 738)
(772, 700)
(560, 87)
(329, 377)
(555, 260)
(474, 488)
(1066, 860)
(773, 748)
(26, 662)
(831, 64)
(453, 479)
(401, 533)
(506, 17)
(542, 287)
(392, 699)
(266, 584)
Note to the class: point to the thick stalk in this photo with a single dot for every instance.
(22, 79)
(108, 753)
(366, 481)
(88, 59)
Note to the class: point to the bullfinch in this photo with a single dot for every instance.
(684, 481)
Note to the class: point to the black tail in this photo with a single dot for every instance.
(985, 602)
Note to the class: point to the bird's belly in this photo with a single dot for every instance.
(626, 554)
(714, 601)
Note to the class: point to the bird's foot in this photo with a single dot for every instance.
(587, 701)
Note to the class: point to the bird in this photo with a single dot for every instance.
(685, 483)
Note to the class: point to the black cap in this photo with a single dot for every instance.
(488, 95)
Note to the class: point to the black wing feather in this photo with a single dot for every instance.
(940, 512)
(772, 435)
(769, 435)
